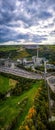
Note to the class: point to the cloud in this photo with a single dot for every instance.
(27, 21)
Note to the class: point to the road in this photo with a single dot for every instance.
(51, 83)
(21, 73)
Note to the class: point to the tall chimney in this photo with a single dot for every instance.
(37, 51)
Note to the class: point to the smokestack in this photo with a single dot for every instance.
(37, 51)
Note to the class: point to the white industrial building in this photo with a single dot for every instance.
(36, 59)
(19, 61)
(2, 61)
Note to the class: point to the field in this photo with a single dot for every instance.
(6, 84)
(11, 106)
(8, 48)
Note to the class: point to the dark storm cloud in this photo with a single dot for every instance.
(19, 15)
(44, 15)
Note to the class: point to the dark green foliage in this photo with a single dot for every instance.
(21, 86)
(37, 118)
(2, 96)
(52, 125)
(52, 95)
(41, 104)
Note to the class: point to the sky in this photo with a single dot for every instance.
(27, 22)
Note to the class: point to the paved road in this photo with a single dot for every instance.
(51, 82)
(21, 72)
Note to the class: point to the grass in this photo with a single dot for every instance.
(10, 108)
(14, 52)
(30, 94)
(6, 84)
(22, 54)
(9, 48)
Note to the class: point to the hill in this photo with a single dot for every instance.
(17, 52)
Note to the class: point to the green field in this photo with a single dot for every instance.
(9, 108)
(6, 84)
(9, 48)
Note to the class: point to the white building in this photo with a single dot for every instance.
(2, 61)
(12, 65)
(19, 61)
(36, 59)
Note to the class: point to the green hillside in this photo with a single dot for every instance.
(6, 84)
(16, 107)
(15, 52)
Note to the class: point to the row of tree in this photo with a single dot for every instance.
(23, 84)
(37, 118)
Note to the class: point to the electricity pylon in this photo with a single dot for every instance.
(45, 72)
